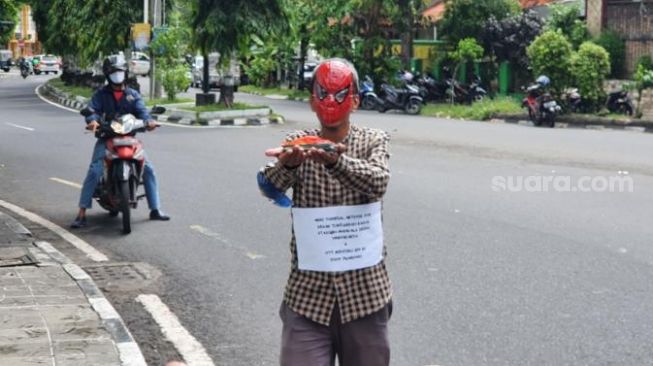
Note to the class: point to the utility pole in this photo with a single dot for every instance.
(155, 85)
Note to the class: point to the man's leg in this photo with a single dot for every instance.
(152, 192)
(304, 342)
(90, 183)
(365, 341)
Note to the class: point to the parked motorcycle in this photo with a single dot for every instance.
(432, 90)
(407, 99)
(466, 94)
(542, 108)
(117, 191)
(369, 99)
(619, 102)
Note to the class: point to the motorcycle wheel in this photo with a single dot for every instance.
(627, 109)
(479, 98)
(413, 107)
(124, 207)
(368, 103)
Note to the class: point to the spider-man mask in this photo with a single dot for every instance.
(333, 92)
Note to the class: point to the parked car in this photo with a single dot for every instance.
(47, 64)
(139, 64)
(5, 60)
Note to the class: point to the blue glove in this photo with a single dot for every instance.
(270, 191)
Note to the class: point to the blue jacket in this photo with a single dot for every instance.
(106, 108)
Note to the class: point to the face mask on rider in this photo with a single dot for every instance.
(117, 77)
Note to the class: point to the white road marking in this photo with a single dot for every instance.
(66, 182)
(211, 234)
(78, 243)
(19, 126)
(52, 103)
(190, 349)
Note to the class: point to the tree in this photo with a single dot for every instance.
(549, 55)
(407, 19)
(508, 39)
(566, 18)
(226, 26)
(590, 66)
(616, 47)
(168, 47)
(8, 18)
(466, 18)
(468, 50)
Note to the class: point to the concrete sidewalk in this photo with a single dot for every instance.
(51, 312)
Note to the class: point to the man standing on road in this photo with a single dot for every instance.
(113, 100)
(338, 296)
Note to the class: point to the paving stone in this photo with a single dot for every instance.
(33, 335)
(78, 299)
(16, 290)
(8, 273)
(69, 314)
(27, 361)
(25, 318)
(79, 331)
(92, 359)
(40, 349)
(81, 349)
(18, 301)
(70, 290)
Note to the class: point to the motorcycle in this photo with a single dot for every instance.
(542, 108)
(117, 191)
(432, 90)
(407, 99)
(466, 94)
(369, 99)
(24, 70)
(619, 102)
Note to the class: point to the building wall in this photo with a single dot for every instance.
(594, 16)
(634, 21)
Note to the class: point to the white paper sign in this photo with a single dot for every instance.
(341, 238)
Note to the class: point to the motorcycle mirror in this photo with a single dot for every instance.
(88, 111)
(157, 109)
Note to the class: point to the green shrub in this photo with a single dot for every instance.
(646, 62)
(550, 54)
(590, 66)
(174, 78)
(616, 47)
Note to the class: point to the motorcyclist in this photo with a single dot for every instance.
(24, 64)
(115, 99)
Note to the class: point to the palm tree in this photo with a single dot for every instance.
(225, 26)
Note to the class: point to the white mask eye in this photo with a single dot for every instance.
(321, 92)
(341, 95)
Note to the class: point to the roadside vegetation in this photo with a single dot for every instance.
(81, 91)
(222, 107)
(292, 94)
(479, 111)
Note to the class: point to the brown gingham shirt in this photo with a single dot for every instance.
(360, 176)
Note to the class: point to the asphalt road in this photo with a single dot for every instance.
(481, 276)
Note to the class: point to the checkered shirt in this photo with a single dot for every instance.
(360, 176)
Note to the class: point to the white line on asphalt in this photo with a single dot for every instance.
(190, 349)
(211, 234)
(49, 102)
(66, 182)
(19, 126)
(78, 243)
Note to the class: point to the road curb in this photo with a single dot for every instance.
(250, 121)
(62, 98)
(128, 350)
(585, 123)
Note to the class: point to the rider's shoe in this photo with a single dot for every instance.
(158, 215)
(78, 223)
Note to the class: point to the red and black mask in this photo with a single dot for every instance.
(333, 92)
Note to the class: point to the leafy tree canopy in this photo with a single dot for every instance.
(466, 18)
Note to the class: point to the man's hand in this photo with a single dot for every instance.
(326, 157)
(152, 125)
(292, 157)
(92, 126)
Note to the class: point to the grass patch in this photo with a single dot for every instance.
(292, 94)
(479, 111)
(74, 90)
(163, 101)
(221, 107)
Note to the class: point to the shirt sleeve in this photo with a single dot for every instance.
(139, 108)
(369, 176)
(96, 106)
(282, 177)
